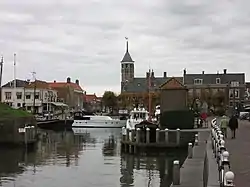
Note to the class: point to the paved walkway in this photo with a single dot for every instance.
(239, 150)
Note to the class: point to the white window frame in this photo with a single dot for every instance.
(198, 81)
(8, 95)
(235, 84)
(232, 92)
(218, 81)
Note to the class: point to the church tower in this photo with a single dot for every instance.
(127, 68)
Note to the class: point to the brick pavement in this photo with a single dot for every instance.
(239, 150)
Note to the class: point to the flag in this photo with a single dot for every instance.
(126, 38)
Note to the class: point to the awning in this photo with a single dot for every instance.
(59, 104)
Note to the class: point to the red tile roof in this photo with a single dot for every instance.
(90, 98)
(64, 84)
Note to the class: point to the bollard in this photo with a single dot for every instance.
(225, 159)
(148, 135)
(166, 135)
(190, 150)
(176, 172)
(138, 130)
(157, 135)
(178, 136)
(127, 134)
(229, 179)
(196, 140)
(123, 133)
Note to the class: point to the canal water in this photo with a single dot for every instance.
(90, 157)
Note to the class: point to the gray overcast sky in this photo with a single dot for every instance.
(85, 38)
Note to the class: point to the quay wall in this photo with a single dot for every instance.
(195, 171)
(9, 129)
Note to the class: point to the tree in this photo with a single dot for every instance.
(109, 99)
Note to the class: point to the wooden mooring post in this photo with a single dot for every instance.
(135, 140)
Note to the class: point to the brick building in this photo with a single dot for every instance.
(69, 93)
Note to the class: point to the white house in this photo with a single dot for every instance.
(35, 97)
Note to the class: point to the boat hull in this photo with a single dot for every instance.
(98, 124)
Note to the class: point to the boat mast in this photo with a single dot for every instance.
(14, 96)
(149, 95)
(1, 76)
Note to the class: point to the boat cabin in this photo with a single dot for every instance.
(139, 114)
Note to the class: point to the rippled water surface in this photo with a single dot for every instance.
(91, 158)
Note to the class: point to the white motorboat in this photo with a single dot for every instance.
(96, 121)
(137, 116)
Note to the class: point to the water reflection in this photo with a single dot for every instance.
(88, 157)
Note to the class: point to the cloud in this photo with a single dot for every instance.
(84, 39)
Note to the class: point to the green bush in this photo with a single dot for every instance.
(8, 112)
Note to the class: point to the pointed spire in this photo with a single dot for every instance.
(127, 57)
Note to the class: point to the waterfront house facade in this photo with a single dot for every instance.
(232, 85)
(36, 96)
(92, 102)
(69, 93)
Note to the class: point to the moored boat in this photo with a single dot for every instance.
(96, 121)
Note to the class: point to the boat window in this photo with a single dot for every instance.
(142, 116)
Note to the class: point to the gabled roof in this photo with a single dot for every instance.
(172, 84)
(19, 84)
(38, 84)
(65, 84)
(140, 84)
(127, 57)
(90, 97)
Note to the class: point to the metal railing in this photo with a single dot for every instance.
(226, 176)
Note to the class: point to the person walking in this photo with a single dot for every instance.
(233, 125)
(224, 124)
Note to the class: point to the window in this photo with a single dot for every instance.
(234, 93)
(198, 81)
(37, 95)
(27, 96)
(18, 104)
(28, 107)
(235, 84)
(7, 95)
(19, 95)
(217, 80)
(138, 84)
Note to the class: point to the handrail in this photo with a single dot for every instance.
(226, 176)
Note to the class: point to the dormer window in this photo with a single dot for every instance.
(198, 81)
(138, 84)
(218, 81)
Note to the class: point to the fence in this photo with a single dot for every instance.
(226, 176)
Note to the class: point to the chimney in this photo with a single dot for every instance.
(152, 74)
(147, 75)
(54, 81)
(68, 80)
(185, 71)
(225, 71)
(77, 81)
(203, 72)
(164, 74)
